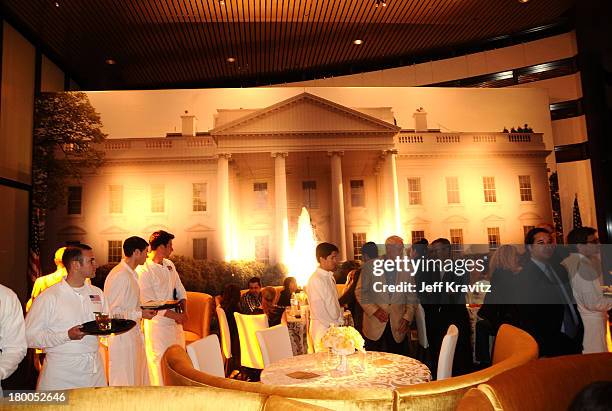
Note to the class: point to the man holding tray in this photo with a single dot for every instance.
(54, 324)
(127, 365)
(159, 281)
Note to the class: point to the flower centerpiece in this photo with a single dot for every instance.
(342, 341)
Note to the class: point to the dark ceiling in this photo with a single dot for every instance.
(187, 43)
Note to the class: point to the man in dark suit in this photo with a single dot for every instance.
(546, 309)
(444, 308)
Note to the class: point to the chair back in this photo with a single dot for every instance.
(447, 353)
(275, 343)
(199, 314)
(226, 338)
(250, 353)
(205, 355)
(421, 327)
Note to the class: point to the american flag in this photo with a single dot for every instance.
(34, 270)
(577, 220)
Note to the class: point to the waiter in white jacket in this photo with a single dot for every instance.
(53, 323)
(322, 294)
(13, 345)
(159, 281)
(127, 360)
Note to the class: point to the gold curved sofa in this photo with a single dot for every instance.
(548, 384)
(513, 347)
(164, 399)
(178, 370)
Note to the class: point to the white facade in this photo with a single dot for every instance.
(361, 177)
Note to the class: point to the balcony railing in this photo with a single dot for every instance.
(414, 141)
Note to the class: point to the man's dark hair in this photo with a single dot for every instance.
(441, 241)
(579, 235)
(593, 397)
(74, 253)
(132, 244)
(370, 249)
(255, 280)
(324, 250)
(158, 238)
(420, 247)
(530, 236)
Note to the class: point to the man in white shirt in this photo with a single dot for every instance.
(322, 294)
(54, 323)
(13, 345)
(127, 359)
(159, 281)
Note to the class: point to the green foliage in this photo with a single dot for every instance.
(211, 277)
(66, 130)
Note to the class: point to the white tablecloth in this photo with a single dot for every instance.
(380, 370)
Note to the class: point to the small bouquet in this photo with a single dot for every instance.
(342, 340)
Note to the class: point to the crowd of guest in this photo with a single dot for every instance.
(553, 293)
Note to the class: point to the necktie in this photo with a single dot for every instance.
(570, 316)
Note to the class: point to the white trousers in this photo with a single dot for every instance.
(158, 337)
(127, 359)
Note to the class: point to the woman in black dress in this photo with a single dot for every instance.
(289, 287)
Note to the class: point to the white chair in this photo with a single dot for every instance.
(226, 337)
(275, 343)
(421, 327)
(250, 353)
(447, 353)
(205, 355)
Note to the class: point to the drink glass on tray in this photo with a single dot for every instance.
(103, 321)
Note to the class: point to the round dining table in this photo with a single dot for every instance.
(370, 370)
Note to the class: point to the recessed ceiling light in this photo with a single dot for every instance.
(110, 62)
(357, 42)
(222, 2)
(57, 4)
(523, 1)
(231, 59)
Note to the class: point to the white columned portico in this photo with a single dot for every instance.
(393, 224)
(337, 191)
(223, 206)
(281, 224)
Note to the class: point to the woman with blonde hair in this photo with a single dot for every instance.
(498, 307)
(270, 309)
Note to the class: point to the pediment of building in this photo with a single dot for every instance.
(114, 230)
(196, 228)
(456, 219)
(492, 218)
(417, 221)
(530, 216)
(303, 114)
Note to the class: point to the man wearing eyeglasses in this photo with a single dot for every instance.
(546, 308)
